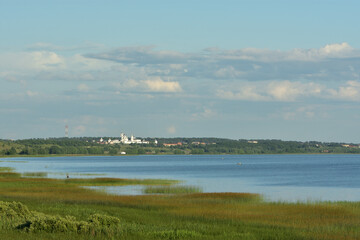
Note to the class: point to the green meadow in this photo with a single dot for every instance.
(35, 207)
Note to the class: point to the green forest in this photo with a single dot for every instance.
(91, 146)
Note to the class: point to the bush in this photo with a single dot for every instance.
(13, 214)
(16, 215)
(103, 220)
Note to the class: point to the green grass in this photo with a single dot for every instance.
(171, 189)
(60, 209)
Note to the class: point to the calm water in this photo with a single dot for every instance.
(277, 177)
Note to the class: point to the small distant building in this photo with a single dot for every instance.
(252, 141)
(116, 141)
(125, 140)
(172, 144)
(350, 146)
(155, 141)
(123, 153)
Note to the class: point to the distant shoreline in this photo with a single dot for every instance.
(133, 155)
(54, 147)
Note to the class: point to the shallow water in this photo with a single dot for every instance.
(277, 177)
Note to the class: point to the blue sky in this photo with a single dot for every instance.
(234, 69)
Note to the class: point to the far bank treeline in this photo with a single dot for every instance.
(90, 146)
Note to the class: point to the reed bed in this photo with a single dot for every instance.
(118, 181)
(171, 189)
(80, 174)
(178, 216)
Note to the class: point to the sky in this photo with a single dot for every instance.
(256, 69)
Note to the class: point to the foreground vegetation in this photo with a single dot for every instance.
(90, 146)
(42, 208)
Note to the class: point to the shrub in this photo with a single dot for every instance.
(13, 214)
(103, 220)
(16, 215)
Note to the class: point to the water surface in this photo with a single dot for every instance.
(277, 177)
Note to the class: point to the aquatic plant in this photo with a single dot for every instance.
(171, 189)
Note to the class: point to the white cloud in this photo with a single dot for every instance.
(337, 48)
(31, 61)
(248, 93)
(350, 92)
(273, 91)
(158, 85)
(228, 72)
(290, 91)
(83, 88)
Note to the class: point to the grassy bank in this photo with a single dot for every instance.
(61, 209)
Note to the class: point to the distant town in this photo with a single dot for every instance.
(124, 145)
(124, 140)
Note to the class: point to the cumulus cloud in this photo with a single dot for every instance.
(331, 62)
(158, 85)
(270, 91)
(248, 93)
(241, 74)
(31, 61)
(289, 91)
(83, 88)
(350, 91)
(337, 61)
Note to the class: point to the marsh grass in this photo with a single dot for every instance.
(34, 174)
(210, 216)
(171, 189)
(80, 174)
(118, 181)
(6, 169)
